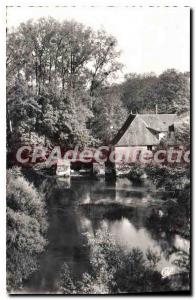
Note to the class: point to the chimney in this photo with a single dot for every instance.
(156, 108)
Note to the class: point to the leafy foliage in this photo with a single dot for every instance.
(170, 91)
(53, 72)
(109, 114)
(115, 271)
(26, 225)
(164, 177)
(182, 133)
(135, 173)
(177, 206)
(59, 79)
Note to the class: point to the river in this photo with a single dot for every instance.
(70, 216)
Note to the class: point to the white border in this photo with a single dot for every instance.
(3, 4)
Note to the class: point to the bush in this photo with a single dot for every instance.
(168, 178)
(176, 218)
(136, 173)
(26, 226)
(115, 271)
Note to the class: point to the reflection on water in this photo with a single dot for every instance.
(128, 236)
(69, 220)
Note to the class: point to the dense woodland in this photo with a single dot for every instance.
(63, 85)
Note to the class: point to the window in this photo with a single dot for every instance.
(149, 147)
(171, 129)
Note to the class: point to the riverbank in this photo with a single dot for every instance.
(26, 229)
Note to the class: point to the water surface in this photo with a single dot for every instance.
(71, 216)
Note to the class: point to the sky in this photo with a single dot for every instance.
(151, 39)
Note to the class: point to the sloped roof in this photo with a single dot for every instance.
(138, 130)
(159, 122)
(123, 129)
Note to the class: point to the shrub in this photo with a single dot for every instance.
(26, 225)
(167, 177)
(136, 172)
(115, 271)
(176, 216)
(66, 284)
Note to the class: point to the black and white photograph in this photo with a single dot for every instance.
(98, 141)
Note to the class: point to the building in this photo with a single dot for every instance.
(145, 131)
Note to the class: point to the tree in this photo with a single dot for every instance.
(173, 92)
(182, 133)
(104, 62)
(139, 92)
(109, 115)
(59, 67)
(22, 113)
(170, 92)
